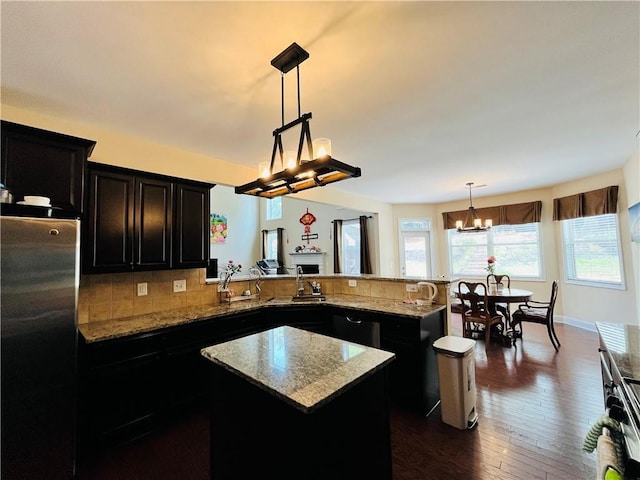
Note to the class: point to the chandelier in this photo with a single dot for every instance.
(294, 174)
(472, 223)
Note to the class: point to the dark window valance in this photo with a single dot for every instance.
(515, 214)
(587, 204)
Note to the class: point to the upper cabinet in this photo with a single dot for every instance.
(191, 229)
(44, 163)
(140, 221)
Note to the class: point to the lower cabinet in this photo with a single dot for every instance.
(121, 387)
(413, 376)
(131, 385)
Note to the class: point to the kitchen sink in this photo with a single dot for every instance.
(308, 298)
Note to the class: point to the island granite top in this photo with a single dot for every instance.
(304, 369)
(623, 344)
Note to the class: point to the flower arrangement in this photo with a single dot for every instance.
(308, 249)
(228, 272)
(491, 264)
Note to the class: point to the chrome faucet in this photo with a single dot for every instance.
(299, 281)
(256, 273)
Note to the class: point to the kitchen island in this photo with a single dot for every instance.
(288, 403)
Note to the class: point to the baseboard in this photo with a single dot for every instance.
(574, 322)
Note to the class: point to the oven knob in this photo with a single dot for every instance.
(617, 413)
(613, 400)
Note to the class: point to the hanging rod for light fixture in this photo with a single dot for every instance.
(472, 223)
(318, 171)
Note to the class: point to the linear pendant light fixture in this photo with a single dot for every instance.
(473, 223)
(296, 174)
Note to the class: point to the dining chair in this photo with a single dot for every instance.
(537, 312)
(505, 281)
(474, 295)
(499, 279)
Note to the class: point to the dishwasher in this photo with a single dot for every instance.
(357, 329)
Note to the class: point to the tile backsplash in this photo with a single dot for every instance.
(112, 296)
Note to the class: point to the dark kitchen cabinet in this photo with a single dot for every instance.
(44, 163)
(129, 386)
(121, 389)
(133, 384)
(139, 221)
(192, 225)
(413, 376)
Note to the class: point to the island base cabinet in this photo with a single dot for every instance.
(255, 434)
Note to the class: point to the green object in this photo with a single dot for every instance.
(612, 474)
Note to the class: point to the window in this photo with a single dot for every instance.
(351, 246)
(415, 247)
(272, 244)
(592, 251)
(274, 209)
(516, 248)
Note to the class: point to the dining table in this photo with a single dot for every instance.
(504, 295)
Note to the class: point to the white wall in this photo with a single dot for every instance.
(632, 176)
(293, 208)
(242, 244)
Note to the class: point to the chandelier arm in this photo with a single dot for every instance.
(298, 80)
(306, 131)
(300, 144)
(304, 118)
(273, 154)
(282, 98)
(281, 150)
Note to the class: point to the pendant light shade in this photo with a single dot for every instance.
(473, 223)
(294, 173)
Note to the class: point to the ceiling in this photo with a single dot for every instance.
(423, 96)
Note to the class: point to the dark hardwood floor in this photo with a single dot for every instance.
(535, 407)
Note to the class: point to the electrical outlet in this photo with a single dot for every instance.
(412, 287)
(179, 286)
(142, 289)
(353, 283)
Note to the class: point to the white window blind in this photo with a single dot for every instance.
(516, 248)
(592, 250)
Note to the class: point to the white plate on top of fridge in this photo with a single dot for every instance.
(35, 201)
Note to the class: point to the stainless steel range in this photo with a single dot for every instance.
(620, 363)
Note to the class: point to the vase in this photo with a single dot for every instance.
(226, 279)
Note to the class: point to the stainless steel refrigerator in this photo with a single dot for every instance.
(39, 277)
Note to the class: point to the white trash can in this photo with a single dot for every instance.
(457, 376)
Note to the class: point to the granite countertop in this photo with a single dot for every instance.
(109, 329)
(304, 369)
(442, 279)
(623, 344)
